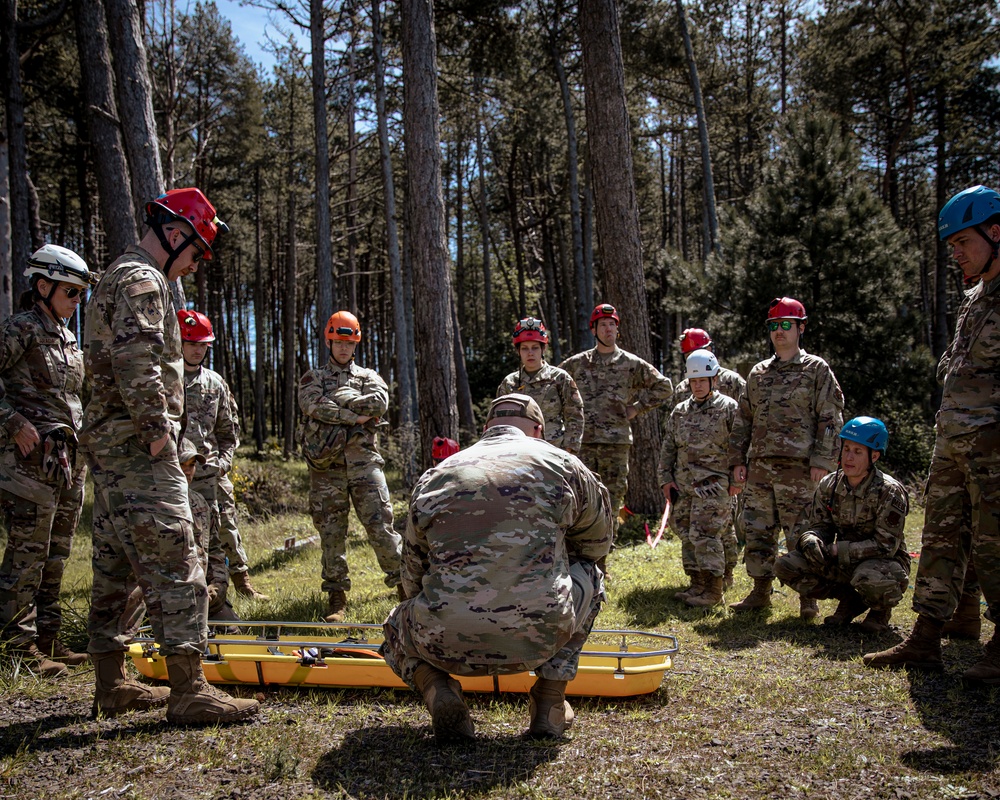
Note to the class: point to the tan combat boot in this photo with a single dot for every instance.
(242, 585)
(450, 716)
(711, 595)
(194, 701)
(759, 598)
(966, 622)
(551, 715)
(808, 608)
(987, 670)
(877, 621)
(36, 660)
(57, 651)
(693, 589)
(920, 650)
(850, 606)
(727, 578)
(115, 693)
(336, 606)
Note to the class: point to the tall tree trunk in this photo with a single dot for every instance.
(17, 149)
(6, 264)
(111, 167)
(466, 414)
(941, 333)
(617, 214)
(324, 249)
(135, 100)
(432, 281)
(352, 180)
(484, 223)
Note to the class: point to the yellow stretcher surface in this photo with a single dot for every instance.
(614, 663)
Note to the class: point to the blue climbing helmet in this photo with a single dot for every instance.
(866, 431)
(970, 207)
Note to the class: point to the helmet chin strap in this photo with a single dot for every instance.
(994, 253)
(172, 254)
(47, 301)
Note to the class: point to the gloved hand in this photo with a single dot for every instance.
(813, 549)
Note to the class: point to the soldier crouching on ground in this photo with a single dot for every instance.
(694, 462)
(342, 405)
(142, 517)
(499, 564)
(851, 544)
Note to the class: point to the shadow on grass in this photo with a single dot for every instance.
(655, 606)
(63, 731)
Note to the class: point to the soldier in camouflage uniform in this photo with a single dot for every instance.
(851, 544)
(784, 441)
(499, 563)
(553, 388)
(41, 481)
(694, 469)
(342, 405)
(616, 387)
(142, 515)
(962, 513)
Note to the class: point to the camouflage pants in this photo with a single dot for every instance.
(879, 581)
(229, 533)
(961, 521)
(41, 516)
(403, 656)
(331, 492)
(703, 524)
(216, 552)
(610, 463)
(778, 492)
(143, 533)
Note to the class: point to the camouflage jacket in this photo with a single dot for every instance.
(556, 394)
(866, 521)
(209, 422)
(41, 375)
(132, 352)
(489, 539)
(970, 367)
(789, 409)
(609, 384)
(727, 382)
(331, 399)
(695, 446)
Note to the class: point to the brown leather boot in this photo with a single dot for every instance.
(115, 693)
(194, 701)
(55, 650)
(850, 606)
(987, 670)
(759, 598)
(920, 650)
(443, 697)
(808, 608)
(551, 715)
(877, 621)
(242, 585)
(967, 621)
(693, 589)
(336, 606)
(711, 595)
(37, 661)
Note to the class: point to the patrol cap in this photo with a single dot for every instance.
(186, 451)
(526, 408)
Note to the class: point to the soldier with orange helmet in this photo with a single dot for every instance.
(783, 442)
(342, 407)
(551, 387)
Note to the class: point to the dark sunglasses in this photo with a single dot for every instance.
(72, 291)
(786, 324)
(199, 252)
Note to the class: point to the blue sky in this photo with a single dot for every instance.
(250, 26)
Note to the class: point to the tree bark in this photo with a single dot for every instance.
(617, 216)
(17, 150)
(324, 249)
(432, 284)
(6, 267)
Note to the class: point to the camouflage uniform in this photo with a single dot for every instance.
(556, 394)
(867, 523)
(142, 515)
(498, 562)
(41, 369)
(727, 382)
(345, 466)
(229, 533)
(609, 384)
(964, 479)
(788, 420)
(695, 455)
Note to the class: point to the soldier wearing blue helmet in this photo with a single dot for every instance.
(850, 544)
(962, 516)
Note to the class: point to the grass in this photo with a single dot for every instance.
(759, 706)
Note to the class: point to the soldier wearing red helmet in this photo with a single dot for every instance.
(616, 387)
(342, 408)
(784, 440)
(552, 388)
(131, 428)
(441, 448)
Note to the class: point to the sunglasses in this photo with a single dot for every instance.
(72, 291)
(784, 324)
(199, 252)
